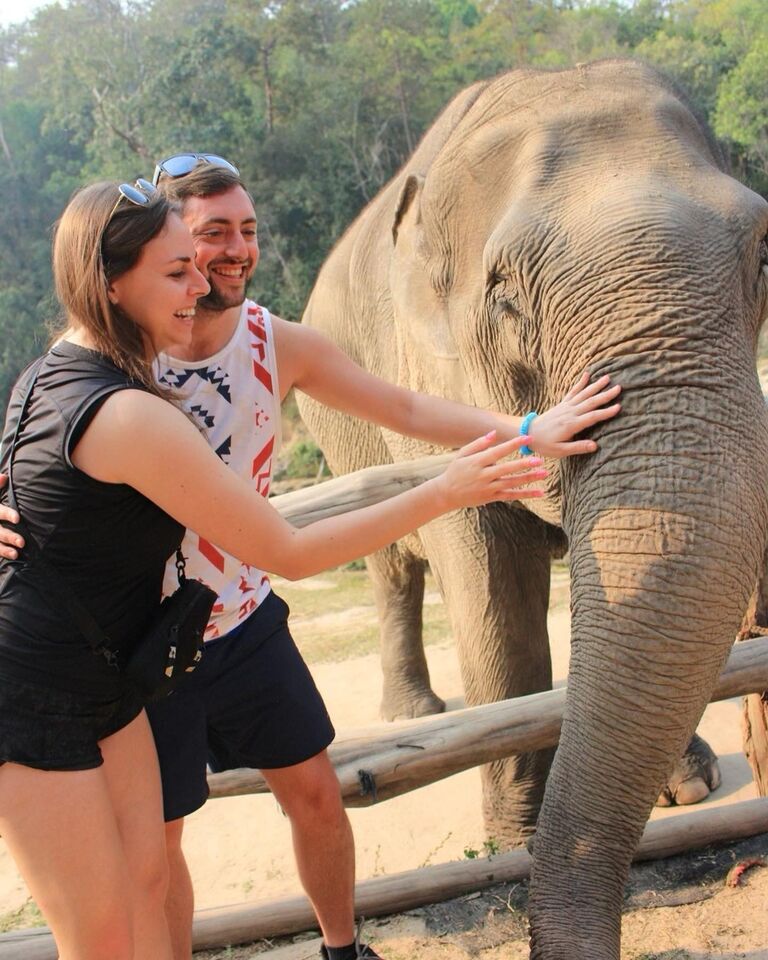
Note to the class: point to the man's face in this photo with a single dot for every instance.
(223, 230)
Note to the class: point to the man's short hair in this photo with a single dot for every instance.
(205, 180)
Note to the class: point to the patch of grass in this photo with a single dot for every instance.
(28, 915)
(333, 616)
(490, 849)
(666, 955)
(321, 646)
(330, 592)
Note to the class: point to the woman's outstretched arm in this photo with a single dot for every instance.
(141, 440)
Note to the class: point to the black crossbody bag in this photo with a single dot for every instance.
(172, 645)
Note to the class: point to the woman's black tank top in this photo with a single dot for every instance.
(107, 542)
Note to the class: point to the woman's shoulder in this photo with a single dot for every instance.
(67, 358)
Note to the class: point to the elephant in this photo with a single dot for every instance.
(550, 223)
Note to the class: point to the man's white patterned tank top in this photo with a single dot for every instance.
(234, 398)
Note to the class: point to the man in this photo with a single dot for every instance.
(252, 701)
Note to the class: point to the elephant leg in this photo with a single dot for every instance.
(493, 570)
(696, 775)
(398, 586)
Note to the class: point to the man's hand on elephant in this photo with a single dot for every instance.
(9, 539)
(551, 433)
(482, 473)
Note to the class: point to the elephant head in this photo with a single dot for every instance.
(583, 220)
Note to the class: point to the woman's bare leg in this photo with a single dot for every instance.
(90, 845)
(133, 781)
(61, 830)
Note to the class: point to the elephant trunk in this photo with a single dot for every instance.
(667, 525)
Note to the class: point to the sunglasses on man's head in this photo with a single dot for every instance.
(181, 164)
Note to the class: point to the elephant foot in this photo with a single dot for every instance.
(423, 704)
(695, 776)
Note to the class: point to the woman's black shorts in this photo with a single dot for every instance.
(53, 729)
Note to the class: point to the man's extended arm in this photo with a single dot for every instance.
(313, 364)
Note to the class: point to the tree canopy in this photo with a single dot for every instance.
(317, 101)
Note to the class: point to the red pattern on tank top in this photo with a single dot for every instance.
(211, 554)
(262, 462)
(256, 327)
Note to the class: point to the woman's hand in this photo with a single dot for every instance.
(10, 541)
(481, 474)
(551, 433)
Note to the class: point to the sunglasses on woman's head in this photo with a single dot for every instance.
(140, 192)
(181, 164)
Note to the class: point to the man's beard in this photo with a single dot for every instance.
(217, 301)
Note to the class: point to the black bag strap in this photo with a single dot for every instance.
(81, 617)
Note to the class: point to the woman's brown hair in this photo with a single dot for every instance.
(98, 238)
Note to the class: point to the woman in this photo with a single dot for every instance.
(106, 472)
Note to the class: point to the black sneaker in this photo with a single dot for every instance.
(363, 952)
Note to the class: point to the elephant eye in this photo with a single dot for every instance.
(764, 251)
(502, 292)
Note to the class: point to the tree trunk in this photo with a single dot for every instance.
(269, 108)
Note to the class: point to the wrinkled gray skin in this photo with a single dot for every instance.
(550, 223)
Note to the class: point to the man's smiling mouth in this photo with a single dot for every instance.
(232, 272)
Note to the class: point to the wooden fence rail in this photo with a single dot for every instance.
(377, 763)
(355, 490)
(245, 922)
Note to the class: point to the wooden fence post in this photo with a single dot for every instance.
(754, 719)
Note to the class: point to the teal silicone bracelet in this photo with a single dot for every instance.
(525, 426)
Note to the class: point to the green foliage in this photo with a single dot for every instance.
(490, 849)
(740, 114)
(305, 459)
(318, 101)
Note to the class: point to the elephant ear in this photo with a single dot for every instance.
(410, 196)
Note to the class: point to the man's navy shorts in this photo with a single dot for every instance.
(251, 702)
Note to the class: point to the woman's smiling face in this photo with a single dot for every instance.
(160, 292)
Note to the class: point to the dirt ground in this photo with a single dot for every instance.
(679, 909)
